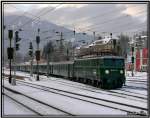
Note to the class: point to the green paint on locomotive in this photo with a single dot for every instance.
(108, 71)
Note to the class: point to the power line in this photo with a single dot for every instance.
(123, 26)
(100, 15)
(110, 20)
(26, 12)
(39, 16)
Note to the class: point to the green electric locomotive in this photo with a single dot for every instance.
(105, 72)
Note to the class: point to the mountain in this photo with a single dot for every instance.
(48, 31)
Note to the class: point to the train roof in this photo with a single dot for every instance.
(63, 62)
(103, 41)
(102, 57)
(71, 62)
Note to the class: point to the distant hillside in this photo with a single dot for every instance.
(47, 29)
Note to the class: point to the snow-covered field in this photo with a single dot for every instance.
(13, 108)
(95, 101)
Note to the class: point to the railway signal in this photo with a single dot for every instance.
(37, 53)
(30, 49)
(31, 55)
(17, 39)
(10, 53)
(114, 44)
(16, 48)
(132, 59)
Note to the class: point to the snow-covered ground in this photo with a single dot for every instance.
(77, 107)
(13, 108)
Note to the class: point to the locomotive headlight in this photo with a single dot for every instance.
(121, 71)
(107, 71)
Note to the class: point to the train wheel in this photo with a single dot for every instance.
(88, 81)
(92, 82)
(77, 79)
(95, 83)
(98, 84)
(84, 81)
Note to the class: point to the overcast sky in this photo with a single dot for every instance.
(86, 17)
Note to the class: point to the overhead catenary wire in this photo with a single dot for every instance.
(124, 25)
(96, 16)
(107, 21)
(99, 15)
(38, 16)
(25, 12)
(111, 20)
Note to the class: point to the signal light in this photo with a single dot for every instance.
(132, 49)
(17, 39)
(17, 46)
(132, 58)
(10, 52)
(37, 53)
(30, 47)
(37, 39)
(10, 34)
(30, 53)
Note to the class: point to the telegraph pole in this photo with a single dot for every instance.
(10, 53)
(31, 56)
(114, 44)
(60, 45)
(38, 54)
(94, 35)
(74, 32)
(14, 79)
(132, 59)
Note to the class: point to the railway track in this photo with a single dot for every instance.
(131, 96)
(40, 108)
(92, 89)
(137, 83)
(87, 88)
(136, 87)
(34, 111)
(141, 81)
(98, 101)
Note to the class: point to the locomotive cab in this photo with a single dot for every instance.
(112, 72)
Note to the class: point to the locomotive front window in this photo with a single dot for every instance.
(114, 62)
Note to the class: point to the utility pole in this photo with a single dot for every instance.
(31, 57)
(48, 64)
(61, 45)
(74, 32)
(16, 48)
(38, 54)
(10, 53)
(132, 59)
(67, 54)
(94, 35)
(48, 52)
(114, 44)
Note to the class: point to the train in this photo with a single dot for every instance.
(106, 72)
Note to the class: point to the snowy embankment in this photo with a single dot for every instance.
(70, 105)
(79, 107)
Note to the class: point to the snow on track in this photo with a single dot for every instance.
(35, 106)
(12, 107)
(73, 106)
(79, 88)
